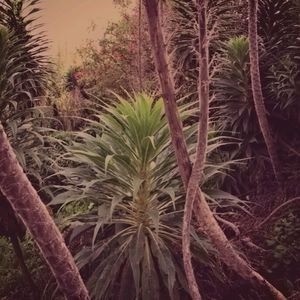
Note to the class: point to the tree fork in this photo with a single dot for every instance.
(202, 211)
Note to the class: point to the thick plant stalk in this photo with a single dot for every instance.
(167, 88)
(257, 89)
(140, 47)
(203, 213)
(198, 166)
(25, 201)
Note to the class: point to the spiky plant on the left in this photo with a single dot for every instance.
(23, 79)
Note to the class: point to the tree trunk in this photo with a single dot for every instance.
(25, 201)
(203, 213)
(257, 89)
(140, 48)
(198, 166)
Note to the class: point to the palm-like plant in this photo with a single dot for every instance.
(278, 27)
(24, 70)
(234, 107)
(28, 67)
(18, 85)
(125, 168)
(278, 22)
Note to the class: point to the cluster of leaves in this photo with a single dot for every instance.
(124, 167)
(24, 67)
(283, 245)
(112, 63)
(68, 98)
(284, 241)
(13, 284)
(23, 78)
(234, 113)
(279, 23)
(234, 106)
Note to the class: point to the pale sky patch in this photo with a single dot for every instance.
(68, 24)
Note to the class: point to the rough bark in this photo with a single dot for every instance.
(257, 89)
(202, 211)
(229, 256)
(167, 88)
(198, 166)
(25, 201)
(140, 47)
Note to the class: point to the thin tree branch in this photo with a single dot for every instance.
(197, 170)
(276, 210)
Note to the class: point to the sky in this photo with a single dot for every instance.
(68, 23)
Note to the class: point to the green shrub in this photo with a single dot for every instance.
(13, 285)
(125, 171)
(283, 259)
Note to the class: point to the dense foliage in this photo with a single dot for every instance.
(95, 143)
(120, 60)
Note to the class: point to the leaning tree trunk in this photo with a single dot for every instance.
(203, 213)
(257, 88)
(25, 201)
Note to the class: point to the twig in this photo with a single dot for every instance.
(276, 210)
(229, 224)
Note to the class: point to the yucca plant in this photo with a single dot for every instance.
(234, 108)
(22, 78)
(124, 168)
(24, 70)
(278, 22)
(28, 67)
(278, 27)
